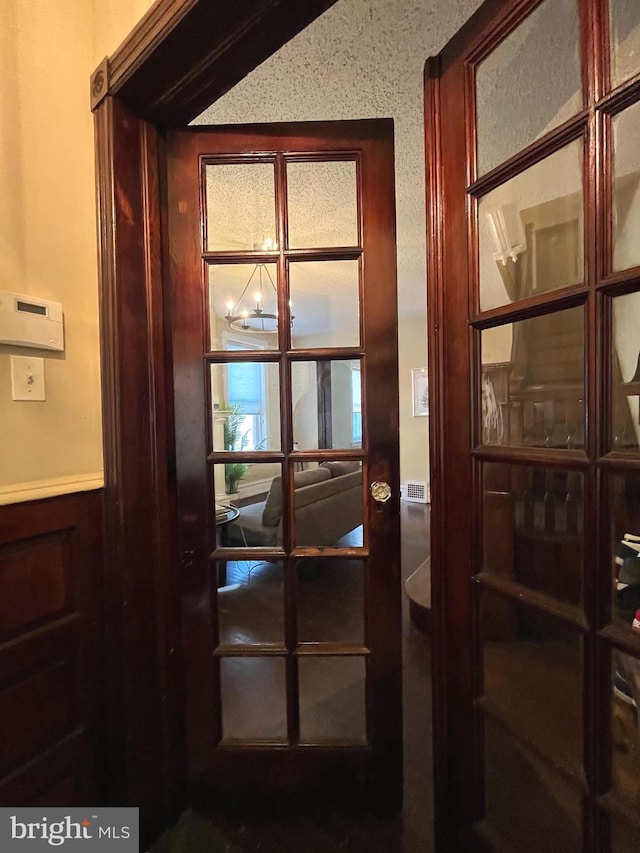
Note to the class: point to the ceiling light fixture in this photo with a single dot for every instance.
(258, 318)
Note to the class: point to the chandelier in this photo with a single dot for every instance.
(256, 318)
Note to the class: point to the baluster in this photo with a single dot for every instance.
(528, 422)
(529, 509)
(549, 502)
(548, 421)
(571, 502)
(571, 421)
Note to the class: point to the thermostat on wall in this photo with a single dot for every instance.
(29, 322)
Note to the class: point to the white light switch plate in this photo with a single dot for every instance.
(27, 378)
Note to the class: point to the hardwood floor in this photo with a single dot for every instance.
(320, 831)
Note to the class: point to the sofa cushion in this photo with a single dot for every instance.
(338, 469)
(273, 507)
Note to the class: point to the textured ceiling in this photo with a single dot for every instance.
(361, 59)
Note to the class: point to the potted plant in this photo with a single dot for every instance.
(234, 439)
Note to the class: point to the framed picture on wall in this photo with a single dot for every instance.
(420, 389)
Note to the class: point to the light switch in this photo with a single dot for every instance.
(27, 378)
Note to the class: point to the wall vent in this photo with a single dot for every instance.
(415, 491)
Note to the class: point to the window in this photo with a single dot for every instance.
(356, 406)
(246, 390)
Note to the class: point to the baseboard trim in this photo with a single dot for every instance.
(38, 489)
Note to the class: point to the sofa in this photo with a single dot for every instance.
(328, 501)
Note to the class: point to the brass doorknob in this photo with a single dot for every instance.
(380, 492)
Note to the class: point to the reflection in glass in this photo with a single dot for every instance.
(626, 191)
(248, 517)
(625, 40)
(253, 694)
(530, 231)
(328, 505)
(243, 306)
(625, 770)
(241, 207)
(530, 83)
(326, 397)
(332, 699)
(330, 600)
(325, 301)
(527, 802)
(323, 206)
(246, 406)
(625, 549)
(250, 602)
(533, 677)
(538, 514)
(625, 374)
(534, 397)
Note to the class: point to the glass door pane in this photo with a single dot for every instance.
(625, 378)
(250, 603)
(327, 404)
(626, 187)
(532, 669)
(332, 699)
(247, 683)
(322, 204)
(529, 84)
(539, 513)
(625, 39)
(534, 396)
(246, 406)
(243, 306)
(551, 808)
(531, 231)
(325, 303)
(240, 207)
(328, 505)
(331, 600)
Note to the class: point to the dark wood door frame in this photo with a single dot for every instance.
(182, 56)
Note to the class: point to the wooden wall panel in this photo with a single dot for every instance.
(50, 651)
(34, 582)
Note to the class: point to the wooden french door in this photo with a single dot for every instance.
(283, 304)
(533, 119)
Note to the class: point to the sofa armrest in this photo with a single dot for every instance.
(249, 531)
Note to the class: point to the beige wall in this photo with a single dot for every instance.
(47, 217)
(414, 432)
(113, 21)
(47, 231)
